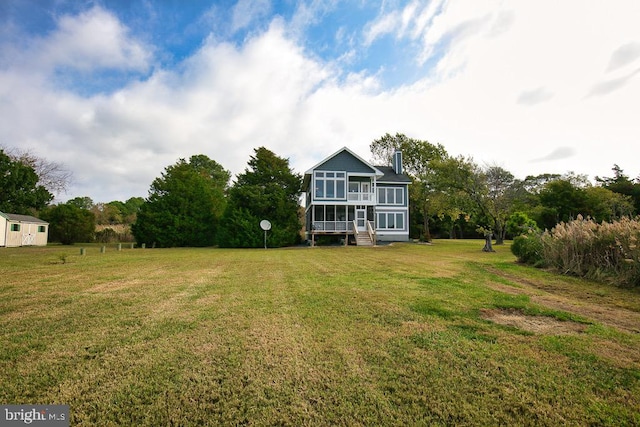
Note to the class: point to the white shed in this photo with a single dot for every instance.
(22, 230)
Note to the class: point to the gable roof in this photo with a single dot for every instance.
(343, 149)
(384, 174)
(22, 218)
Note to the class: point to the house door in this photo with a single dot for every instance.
(361, 218)
(365, 189)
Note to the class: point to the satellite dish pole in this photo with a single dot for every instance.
(266, 226)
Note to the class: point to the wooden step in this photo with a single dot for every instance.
(363, 239)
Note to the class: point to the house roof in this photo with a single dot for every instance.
(373, 168)
(391, 176)
(22, 218)
(384, 174)
(307, 174)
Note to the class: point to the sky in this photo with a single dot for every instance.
(117, 90)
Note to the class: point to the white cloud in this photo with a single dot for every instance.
(222, 102)
(92, 40)
(559, 153)
(247, 11)
(410, 22)
(226, 100)
(385, 24)
(534, 96)
(626, 54)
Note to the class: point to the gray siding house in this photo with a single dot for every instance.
(345, 195)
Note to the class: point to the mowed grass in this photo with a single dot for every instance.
(393, 335)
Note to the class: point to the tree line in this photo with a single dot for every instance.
(194, 202)
(453, 196)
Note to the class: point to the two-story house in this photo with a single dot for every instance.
(345, 195)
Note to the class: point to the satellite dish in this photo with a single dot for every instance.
(265, 225)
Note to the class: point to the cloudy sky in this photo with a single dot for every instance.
(117, 90)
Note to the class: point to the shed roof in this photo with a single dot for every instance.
(22, 218)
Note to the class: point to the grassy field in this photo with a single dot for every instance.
(407, 334)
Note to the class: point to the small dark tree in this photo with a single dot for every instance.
(69, 224)
(21, 192)
(268, 189)
(519, 223)
(184, 205)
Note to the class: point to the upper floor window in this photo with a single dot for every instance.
(330, 185)
(390, 196)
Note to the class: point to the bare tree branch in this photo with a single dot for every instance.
(53, 176)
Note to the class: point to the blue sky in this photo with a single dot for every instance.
(118, 90)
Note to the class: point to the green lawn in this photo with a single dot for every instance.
(407, 334)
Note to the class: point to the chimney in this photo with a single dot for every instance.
(397, 162)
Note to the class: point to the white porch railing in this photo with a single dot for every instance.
(372, 232)
(361, 197)
(332, 226)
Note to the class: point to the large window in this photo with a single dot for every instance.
(390, 221)
(330, 185)
(390, 196)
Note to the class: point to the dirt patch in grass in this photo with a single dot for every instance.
(535, 324)
(605, 309)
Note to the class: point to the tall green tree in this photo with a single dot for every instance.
(184, 205)
(20, 189)
(490, 192)
(620, 183)
(268, 189)
(69, 223)
(606, 205)
(117, 212)
(418, 159)
(562, 201)
(85, 202)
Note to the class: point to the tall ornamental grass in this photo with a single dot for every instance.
(585, 248)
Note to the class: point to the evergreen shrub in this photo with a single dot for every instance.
(528, 249)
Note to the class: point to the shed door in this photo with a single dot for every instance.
(29, 236)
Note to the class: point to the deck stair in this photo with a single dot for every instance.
(363, 239)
